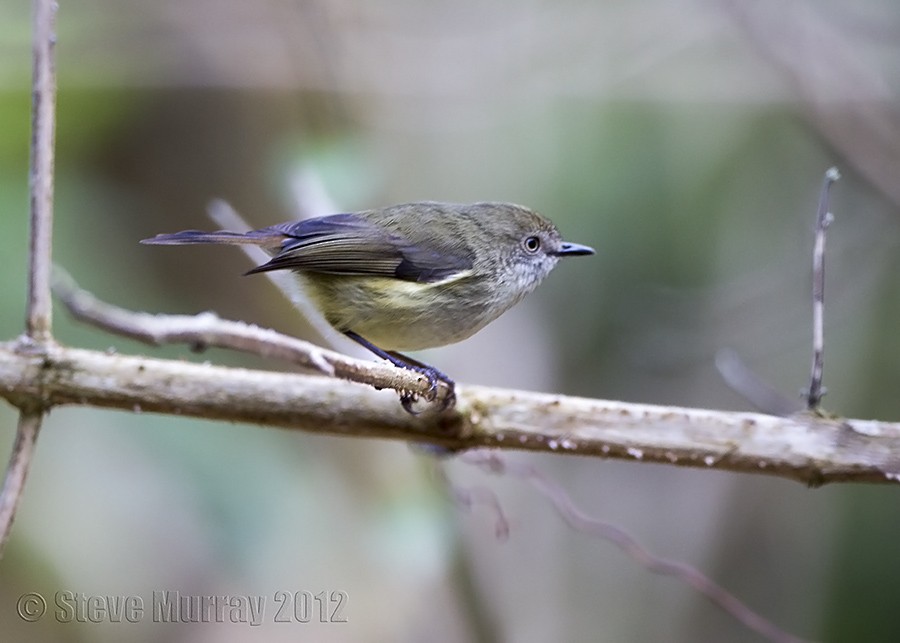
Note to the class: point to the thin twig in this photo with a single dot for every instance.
(582, 522)
(199, 331)
(43, 127)
(467, 498)
(823, 219)
(17, 471)
(38, 306)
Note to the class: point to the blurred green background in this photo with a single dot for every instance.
(686, 142)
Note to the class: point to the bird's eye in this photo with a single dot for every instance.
(532, 244)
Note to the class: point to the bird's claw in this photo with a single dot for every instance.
(435, 379)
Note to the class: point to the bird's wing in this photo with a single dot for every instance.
(347, 244)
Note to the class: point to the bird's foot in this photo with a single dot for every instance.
(435, 379)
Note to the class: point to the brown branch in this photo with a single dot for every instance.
(803, 447)
(799, 446)
(43, 126)
(38, 306)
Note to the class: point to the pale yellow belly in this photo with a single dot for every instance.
(401, 315)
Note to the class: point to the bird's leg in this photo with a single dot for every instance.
(403, 361)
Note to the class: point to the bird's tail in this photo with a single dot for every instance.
(267, 237)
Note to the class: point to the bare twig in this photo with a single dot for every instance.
(744, 381)
(17, 471)
(823, 219)
(471, 496)
(43, 126)
(199, 331)
(38, 315)
(582, 522)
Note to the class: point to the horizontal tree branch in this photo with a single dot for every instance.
(805, 447)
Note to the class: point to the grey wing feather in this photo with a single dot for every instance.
(346, 244)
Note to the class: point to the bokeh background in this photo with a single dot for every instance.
(685, 141)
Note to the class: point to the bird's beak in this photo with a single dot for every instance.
(567, 249)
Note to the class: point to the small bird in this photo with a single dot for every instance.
(410, 276)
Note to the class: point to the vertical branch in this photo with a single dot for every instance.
(43, 127)
(37, 320)
(823, 219)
